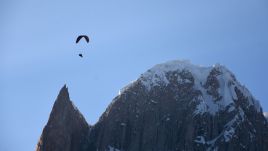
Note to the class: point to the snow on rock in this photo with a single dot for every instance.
(226, 91)
(157, 75)
(167, 119)
(228, 134)
(123, 124)
(229, 128)
(231, 108)
(154, 102)
(266, 115)
(207, 103)
(125, 87)
(110, 148)
(200, 140)
(227, 85)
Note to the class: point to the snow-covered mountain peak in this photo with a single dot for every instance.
(177, 65)
(158, 75)
(217, 85)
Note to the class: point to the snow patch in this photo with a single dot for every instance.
(153, 101)
(110, 148)
(229, 130)
(266, 115)
(227, 87)
(167, 119)
(231, 108)
(200, 140)
(126, 87)
(156, 76)
(228, 134)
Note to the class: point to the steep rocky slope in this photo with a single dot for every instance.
(173, 106)
(66, 129)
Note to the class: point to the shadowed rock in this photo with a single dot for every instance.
(66, 129)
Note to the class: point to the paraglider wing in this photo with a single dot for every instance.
(82, 36)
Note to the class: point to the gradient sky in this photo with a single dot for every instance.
(38, 54)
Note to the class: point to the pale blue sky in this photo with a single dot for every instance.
(38, 54)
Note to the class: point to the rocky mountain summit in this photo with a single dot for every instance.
(66, 129)
(174, 106)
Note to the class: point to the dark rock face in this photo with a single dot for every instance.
(66, 129)
(172, 107)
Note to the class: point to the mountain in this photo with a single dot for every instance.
(66, 129)
(174, 106)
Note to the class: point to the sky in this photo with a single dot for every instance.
(38, 54)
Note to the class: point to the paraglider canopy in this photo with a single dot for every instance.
(82, 36)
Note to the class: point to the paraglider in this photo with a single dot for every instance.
(82, 36)
(78, 39)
